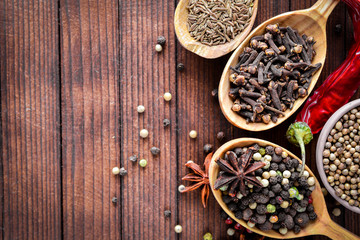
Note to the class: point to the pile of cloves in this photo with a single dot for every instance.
(272, 74)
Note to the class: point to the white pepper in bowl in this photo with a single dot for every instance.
(341, 157)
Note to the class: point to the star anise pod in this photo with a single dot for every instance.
(200, 177)
(238, 170)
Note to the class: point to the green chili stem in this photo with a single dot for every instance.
(299, 138)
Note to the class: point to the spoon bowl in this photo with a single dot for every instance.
(323, 225)
(182, 33)
(311, 22)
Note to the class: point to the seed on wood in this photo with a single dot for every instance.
(208, 148)
(155, 151)
(180, 67)
(193, 134)
(115, 170)
(158, 47)
(167, 213)
(220, 136)
(133, 158)
(166, 122)
(214, 92)
(140, 109)
(161, 40)
(144, 133)
(114, 200)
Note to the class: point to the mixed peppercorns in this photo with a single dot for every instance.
(282, 202)
(341, 157)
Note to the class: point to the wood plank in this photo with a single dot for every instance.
(145, 76)
(30, 121)
(90, 118)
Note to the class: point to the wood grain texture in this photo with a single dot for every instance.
(90, 118)
(30, 121)
(145, 76)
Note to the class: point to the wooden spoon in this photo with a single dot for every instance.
(310, 21)
(323, 225)
(182, 33)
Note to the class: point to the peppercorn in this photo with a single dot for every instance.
(115, 170)
(144, 133)
(155, 151)
(276, 188)
(301, 219)
(230, 232)
(114, 200)
(161, 40)
(286, 187)
(143, 163)
(282, 167)
(224, 215)
(270, 208)
(167, 213)
(273, 181)
(208, 148)
(220, 136)
(228, 221)
(207, 236)
(261, 209)
(274, 166)
(273, 219)
(271, 194)
(158, 48)
(247, 213)
(265, 226)
(193, 134)
(269, 150)
(122, 172)
(178, 228)
(238, 226)
(181, 188)
(238, 151)
(133, 158)
(312, 216)
(232, 206)
(167, 96)
(297, 229)
(238, 214)
(180, 67)
(140, 109)
(166, 122)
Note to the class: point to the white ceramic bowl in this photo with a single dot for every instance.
(321, 145)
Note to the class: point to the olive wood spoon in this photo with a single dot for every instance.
(182, 33)
(311, 22)
(323, 225)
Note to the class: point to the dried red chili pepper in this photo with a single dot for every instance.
(335, 91)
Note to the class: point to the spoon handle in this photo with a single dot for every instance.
(336, 232)
(325, 7)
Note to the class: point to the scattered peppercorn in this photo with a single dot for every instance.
(166, 122)
(220, 136)
(133, 158)
(114, 200)
(161, 40)
(214, 92)
(167, 96)
(122, 172)
(208, 148)
(336, 212)
(181, 188)
(140, 109)
(180, 67)
(158, 47)
(338, 28)
(115, 170)
(144, 133)
(143, 163)
(167, 213)
(193, 134)
(155, 151)
(178, 228)
(230, 232)
(208, 236)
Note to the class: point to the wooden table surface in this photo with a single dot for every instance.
(72, 74)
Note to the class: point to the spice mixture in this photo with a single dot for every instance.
(272, 74)
(214, 22)
(341, 157)
(263, 186)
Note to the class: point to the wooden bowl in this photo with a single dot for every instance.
(320, 148)
(182, 33)
(311, 22)
(323, 225)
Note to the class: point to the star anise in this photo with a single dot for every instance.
(201, 178)
(238, 170)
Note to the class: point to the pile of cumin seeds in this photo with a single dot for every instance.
(215, 22)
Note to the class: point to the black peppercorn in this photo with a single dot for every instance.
(133, 158)
(273, 180)
(155, 151)
(123, 172)
(232, 206)
(180, 67)
(286, 187)
(295, 163)
(276, 158)
(259, 172)
(282, 167)
(220, 136)
(274, 166)
(265, 226)
(260, 218)
(167, 213)
(289, 222)
(238, 214)
(208, 148)
(297, 229)
(272, 201)
(114, 199)
(276, 226)
(161, 40)
(281, 216)
(265, 191)
(276, 188)
(302, 182)
(301, 219)
(310, 208)
(227, 199)
(338, 28)
(294, 176)
(261, 209)
(312, 216)
(269, 150)
(238, 151)
(271, 194)
(303, 203)
(166, 122)
(247, 213)
(214, 92)
(285, 195)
